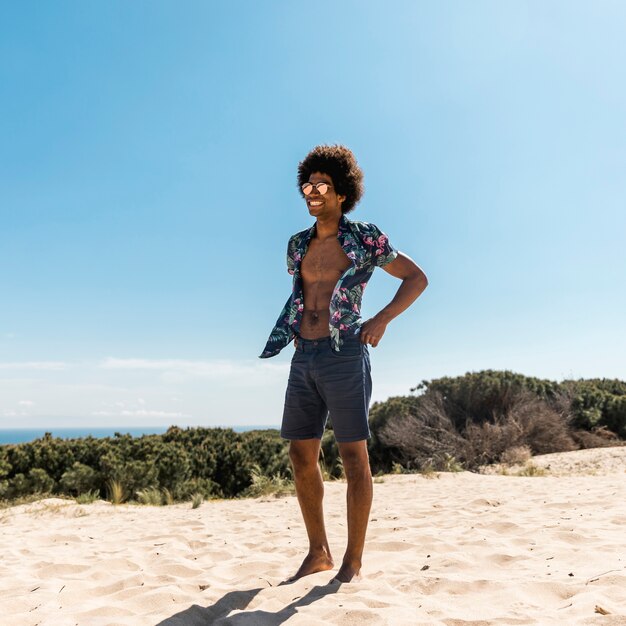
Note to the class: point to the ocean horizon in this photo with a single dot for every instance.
(24, 435)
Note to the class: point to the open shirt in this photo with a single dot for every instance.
(367, 247)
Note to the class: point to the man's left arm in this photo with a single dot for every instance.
(414, 282)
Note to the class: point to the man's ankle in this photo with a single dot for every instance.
(353, 562)
(319, 550)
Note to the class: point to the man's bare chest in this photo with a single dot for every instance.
(324, 261)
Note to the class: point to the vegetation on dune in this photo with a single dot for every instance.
(191, 464)
(448, 424)
(479, 417)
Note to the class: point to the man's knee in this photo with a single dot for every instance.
(354, 458)
(304, 454)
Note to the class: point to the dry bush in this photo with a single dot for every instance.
(597, 438)
(529, 421)
(608, 435)
(516, 455)
(486, 443)
(428, 439)
(544, 428)
(530, 425)
(561, 402)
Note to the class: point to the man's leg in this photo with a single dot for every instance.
(359, 500)
(304, 455)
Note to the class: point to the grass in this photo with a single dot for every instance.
(151, 496)
(115, 491)
(531, 469)
(428, 470)
(168, 498)
(267, 485)
(88, 497)
(450, 464)
(515, 469)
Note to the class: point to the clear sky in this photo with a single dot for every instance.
(148, 155)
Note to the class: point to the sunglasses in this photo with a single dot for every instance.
(322, 188)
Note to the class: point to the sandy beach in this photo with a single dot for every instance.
(455, 549)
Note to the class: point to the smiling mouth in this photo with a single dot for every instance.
(315, 203)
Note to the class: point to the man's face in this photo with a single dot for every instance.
(326, 205)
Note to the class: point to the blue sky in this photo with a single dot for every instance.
(147, 192)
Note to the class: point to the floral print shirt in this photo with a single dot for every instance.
(367, 247)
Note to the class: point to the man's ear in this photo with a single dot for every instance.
(341, 199)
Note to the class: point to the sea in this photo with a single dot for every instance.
(23, 435)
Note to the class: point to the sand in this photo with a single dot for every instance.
(458, 548)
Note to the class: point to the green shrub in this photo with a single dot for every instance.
(172, 465)
(596, 403)
(52, 454)
(39, 481)
(18, 486)
(5, 466)
(79, 478)
(133, 475)
(614, 417)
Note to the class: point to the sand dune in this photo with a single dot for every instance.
(457, 549)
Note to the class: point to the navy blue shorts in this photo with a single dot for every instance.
(322, 381)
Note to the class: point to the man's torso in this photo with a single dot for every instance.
(322, 266)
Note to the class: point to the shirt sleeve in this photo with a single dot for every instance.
(382, 250)
(291, 252)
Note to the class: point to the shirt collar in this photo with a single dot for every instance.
(343, 230)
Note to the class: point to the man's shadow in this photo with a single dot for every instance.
(239, 600)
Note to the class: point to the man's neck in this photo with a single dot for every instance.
(327, 227)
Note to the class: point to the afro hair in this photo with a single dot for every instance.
(341, 165)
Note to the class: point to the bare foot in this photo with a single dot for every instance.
(319, 562)
(348, 572)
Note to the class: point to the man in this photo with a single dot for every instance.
(331, 263)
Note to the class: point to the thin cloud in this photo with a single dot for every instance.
(204, 369)
(34, 365)
(140, 413)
